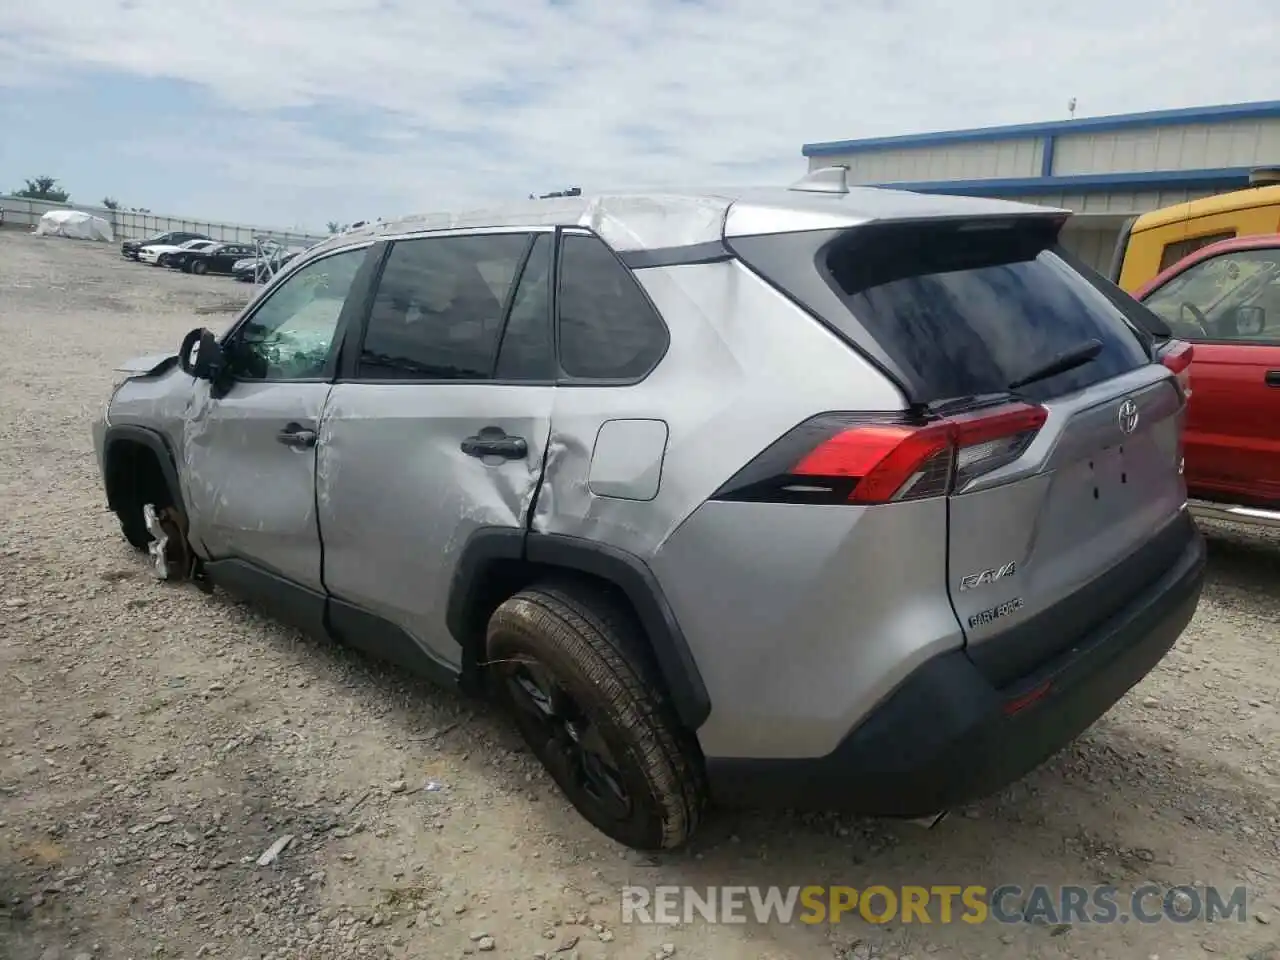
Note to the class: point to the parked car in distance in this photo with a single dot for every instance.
(158, 254)
(130, 248)
(257, 269)
(562, 450)
(1224, 300)
(219, 258)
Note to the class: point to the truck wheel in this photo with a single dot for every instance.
(567, 662)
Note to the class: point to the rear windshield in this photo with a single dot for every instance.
(969, 308)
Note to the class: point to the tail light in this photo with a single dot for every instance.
(1177, 356)
(859, 458)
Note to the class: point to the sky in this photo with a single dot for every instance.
(293, 113)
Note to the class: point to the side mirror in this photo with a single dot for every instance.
(1251, 320)
(200, 355)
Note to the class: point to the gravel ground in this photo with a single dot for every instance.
(154, 741)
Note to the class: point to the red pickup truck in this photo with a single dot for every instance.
(1224, 300)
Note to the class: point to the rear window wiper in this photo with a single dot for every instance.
(1077, 356)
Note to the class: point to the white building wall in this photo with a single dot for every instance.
(1202, 146)
(1119, 202)
(960, 161)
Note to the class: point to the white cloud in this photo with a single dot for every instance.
(724, 89)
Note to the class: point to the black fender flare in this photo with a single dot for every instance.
(157, 444)
(491, 545)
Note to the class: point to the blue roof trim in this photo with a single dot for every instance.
(1027, 186)
(1264, 109)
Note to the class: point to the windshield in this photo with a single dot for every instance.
(1205, 300)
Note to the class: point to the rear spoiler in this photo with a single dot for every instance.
(1122, 247)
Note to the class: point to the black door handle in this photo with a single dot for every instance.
(297, 436)
(494, 442)
(1273, 378)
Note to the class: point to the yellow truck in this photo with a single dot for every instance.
(1156, 240)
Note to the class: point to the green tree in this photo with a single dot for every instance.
(111, 203)
(333, 226)
(44, 188)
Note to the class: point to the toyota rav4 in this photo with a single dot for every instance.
(825, 495)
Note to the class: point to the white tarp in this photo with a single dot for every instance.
(74, 224)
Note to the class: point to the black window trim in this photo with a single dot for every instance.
(344, 317)
(565, 379)
(353, 343)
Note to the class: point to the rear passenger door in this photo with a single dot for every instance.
(609, 424)
(437, 427)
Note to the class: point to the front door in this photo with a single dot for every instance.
(437, 427)
(250, 454)
(1229, 307)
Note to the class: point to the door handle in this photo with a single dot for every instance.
(297, 436)
(1272, 378)
(494, 442)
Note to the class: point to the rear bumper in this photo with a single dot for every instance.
(947, 736)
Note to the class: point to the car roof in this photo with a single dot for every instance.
(646, 221)
(1256, 241)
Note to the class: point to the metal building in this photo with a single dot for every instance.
(1106, 169)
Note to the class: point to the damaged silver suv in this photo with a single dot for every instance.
(823, 495)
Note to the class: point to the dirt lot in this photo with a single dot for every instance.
(155, 741)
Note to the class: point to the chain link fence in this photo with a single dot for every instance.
(131, 225)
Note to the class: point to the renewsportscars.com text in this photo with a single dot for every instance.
(972, 904)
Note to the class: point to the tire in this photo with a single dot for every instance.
(198, 267)
(134, 526)
(646, 788)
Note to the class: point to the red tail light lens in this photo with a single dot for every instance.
(848, 458)
(1177, 356)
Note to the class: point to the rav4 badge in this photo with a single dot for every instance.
(987, 577)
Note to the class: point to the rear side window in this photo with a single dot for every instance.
(608, 328)
(438, 308)
(967, 308)
(527, 352)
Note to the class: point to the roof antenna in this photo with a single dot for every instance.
(824, 180)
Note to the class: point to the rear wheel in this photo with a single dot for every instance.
(567, 662)
(198, 267)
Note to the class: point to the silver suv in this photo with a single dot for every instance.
(823, 495)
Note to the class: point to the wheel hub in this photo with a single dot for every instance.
(574, 744)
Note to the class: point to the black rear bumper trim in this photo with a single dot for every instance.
(948, 736)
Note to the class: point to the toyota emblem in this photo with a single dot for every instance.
(1128, 416)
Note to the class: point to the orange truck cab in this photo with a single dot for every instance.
(1155, 241)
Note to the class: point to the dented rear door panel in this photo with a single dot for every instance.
(398, 498)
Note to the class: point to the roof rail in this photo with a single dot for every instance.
(824, 180)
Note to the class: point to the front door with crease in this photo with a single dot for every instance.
(249, 455)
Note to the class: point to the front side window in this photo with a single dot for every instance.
(437, 312)
(291, 335)
(1233, 296)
